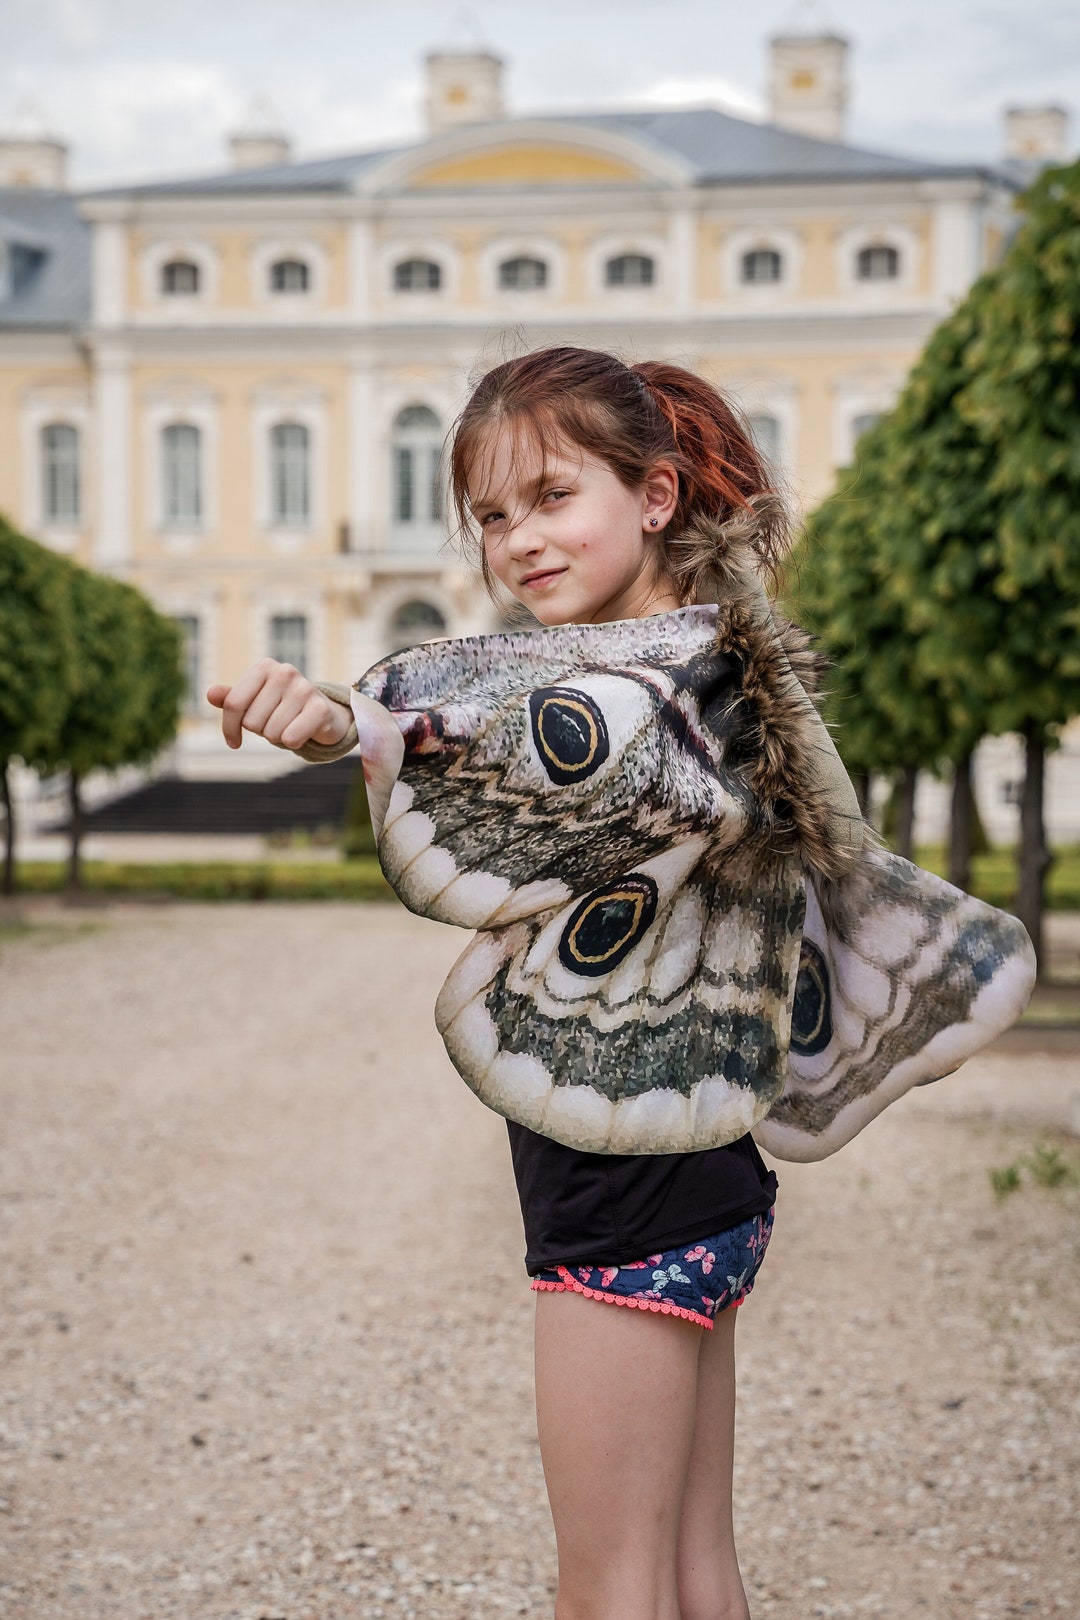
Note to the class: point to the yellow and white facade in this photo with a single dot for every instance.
(241, 405)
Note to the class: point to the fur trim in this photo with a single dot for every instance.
(805, 798)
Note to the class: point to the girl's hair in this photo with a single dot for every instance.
(630, 417)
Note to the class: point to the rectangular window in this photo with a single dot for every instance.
(289, 640)
(190, 629)
(403, 483)
(60, 473)
(182, 474)
(290, 480)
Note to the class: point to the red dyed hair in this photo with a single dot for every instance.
(630, 417)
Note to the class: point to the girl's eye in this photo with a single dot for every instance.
(490, 518)
(556, 494)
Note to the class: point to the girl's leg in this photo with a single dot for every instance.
(710, 1586)
(615, 1399)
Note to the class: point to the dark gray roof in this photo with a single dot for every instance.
(720, 148)
(53, 287)
(715, 146)
(316, 174)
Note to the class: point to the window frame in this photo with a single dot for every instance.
(752, 255)
(515, 288)
(52, 517)
(194, 520)
(629, 256)
(285, 262)
(282, 514)
(411, 289)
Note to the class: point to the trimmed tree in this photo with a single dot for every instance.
(886, 716)
(1023, 399)
(100, 724)
(37, 661)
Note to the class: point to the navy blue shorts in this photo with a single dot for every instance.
(694, 1281)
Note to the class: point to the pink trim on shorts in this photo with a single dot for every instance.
(663, 1306)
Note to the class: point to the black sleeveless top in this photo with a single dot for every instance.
(608, 1209)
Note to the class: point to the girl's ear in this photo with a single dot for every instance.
(660, 496)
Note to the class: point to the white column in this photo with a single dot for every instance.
(110, 301)
(953, 249)
(683, 261)
(360, 270)
(364, 486)
(112, 411)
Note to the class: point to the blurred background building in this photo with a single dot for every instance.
(234, 390)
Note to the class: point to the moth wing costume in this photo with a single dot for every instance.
(684, 931)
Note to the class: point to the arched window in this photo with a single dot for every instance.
(878, 263)
(417, 275)
(630, 270)
(417, 456)
(289, 640)
(180, 278)
(414, 621)
(290, 473)
(181, 471)
(765, 432)
(761, 265)
(60, 473)
(289, 276)
(523, 274)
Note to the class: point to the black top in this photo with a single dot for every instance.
(607, 1209)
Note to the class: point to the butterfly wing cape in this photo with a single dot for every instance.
(682, 932)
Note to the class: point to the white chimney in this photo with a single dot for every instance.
(29, 155)
(1036, 134)
(260, 141)
(463, 87)
(808, 88)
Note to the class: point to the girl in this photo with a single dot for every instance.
(590, 485)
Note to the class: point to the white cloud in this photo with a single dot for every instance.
(706, 89)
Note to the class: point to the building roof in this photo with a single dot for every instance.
(54, 291)
(716, 148)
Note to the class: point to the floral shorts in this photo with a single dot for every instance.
(694, 1281)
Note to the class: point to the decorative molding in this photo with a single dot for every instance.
(781, 239)
(266, 252)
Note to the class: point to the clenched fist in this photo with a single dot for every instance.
(276, 702)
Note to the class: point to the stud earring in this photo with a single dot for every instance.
(652, 523)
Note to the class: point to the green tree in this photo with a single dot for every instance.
(37, 661)
(100, 725)
(887, 717)
(1023, 399)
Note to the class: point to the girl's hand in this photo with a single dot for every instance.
(276, 702)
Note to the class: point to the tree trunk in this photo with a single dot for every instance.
(1035, 858)
(861, 783)
(961, 824)
(905, 810)
(9, 829)
(74, 880)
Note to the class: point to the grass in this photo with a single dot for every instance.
(993, 875)
(993, 878)
(215, 880)
(1044, 1166)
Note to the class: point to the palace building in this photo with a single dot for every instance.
(233, 390)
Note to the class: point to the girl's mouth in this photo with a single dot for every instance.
(534, 581)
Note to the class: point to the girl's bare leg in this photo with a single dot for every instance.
(616, 1398)
(710, 1586)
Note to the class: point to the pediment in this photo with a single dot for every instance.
(524, 154)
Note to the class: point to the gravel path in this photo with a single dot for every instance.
(244, 1374)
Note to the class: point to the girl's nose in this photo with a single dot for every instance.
(524, 538)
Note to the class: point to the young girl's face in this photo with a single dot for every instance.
(569, 539)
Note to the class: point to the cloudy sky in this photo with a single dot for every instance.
(145, 87)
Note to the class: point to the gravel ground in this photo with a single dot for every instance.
(245, 1375)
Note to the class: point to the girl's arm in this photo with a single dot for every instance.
(319, 722)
